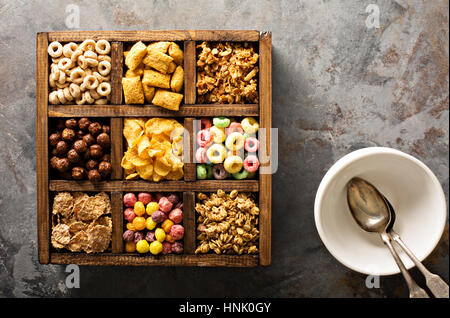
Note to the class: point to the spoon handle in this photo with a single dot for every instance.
(437, 285)
(414, 290)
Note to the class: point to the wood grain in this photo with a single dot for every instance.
(165, 186)
(189, 222)
(160, 260)
(199, 110)
(116, 148)
(43, 216)
(117, 222)
(190, 172)
(116, 72)
(190, 73)
(265, 121)
(156, 35)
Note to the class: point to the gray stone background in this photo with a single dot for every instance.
(337, 86)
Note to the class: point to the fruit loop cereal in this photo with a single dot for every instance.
(154, 223)
(81, 222)
(227, 148)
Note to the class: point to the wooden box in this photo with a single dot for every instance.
(116, 111)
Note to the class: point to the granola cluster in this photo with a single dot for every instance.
(227, 73)
(227, 223)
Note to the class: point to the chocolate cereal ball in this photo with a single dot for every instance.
(106, 157)
(105, 129)
(68, 134)
(84, 123)
(61, 148)
(71, 123)
(54, 162)
(54, 138)
(104, 168)
(78, 173)
(63, 165)
(73, 156)
(80, 134)
(94, 175)
(95, 129)
(80, 146)
(89, 139)
(91, 164)
(96, 151)
(103, 140)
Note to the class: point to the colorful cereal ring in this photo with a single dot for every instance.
(201, 172)
(200, 155)
(209, 171)
(251, 163)
(234, 127)
(251, 144)
(216, 153)
(218, 134)
(233, 164)
(235, 141)
(205, 123)
(219, 172)
(204, 138)
(221, 122)
(243, 174)
(250, 125)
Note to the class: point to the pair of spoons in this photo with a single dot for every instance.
(374, 213)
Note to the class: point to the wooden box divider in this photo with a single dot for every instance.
(116, 111)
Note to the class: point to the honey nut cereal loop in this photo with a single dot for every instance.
(55, 49)
(77, 75)
(104, 68)
(102, 47)
(90, 82)
(75, 90)
(69, 49)
(88, 45)
(61, 97)
(64, 64)
(88, 98)
(104, 89)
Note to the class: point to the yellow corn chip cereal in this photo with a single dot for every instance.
(132, 90)
(176, 53)
(135, 55)
(156, 79)
(167, 99)
(176, 83)
(157, 60)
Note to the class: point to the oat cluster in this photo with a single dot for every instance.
(81, 222)
(227, 223)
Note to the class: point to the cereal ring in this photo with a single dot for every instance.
(219, 172)
(80, 101)
(53, 98)
(243, 174)
(77, 75)
(91, 62)
(250, 125)
(201, 172)
(88, 97)
(51, 82)
(55, 49)
(54, 69)
(233, 128)
(56, 60)
(54, 76)
(82, 62)
(205, 123)
(87, 45)
(62, 77)
(94, 94)
(106, 78)
(62, 99)
(233, 164)
(104, 68)
(64, 64)
(99, 77)
(90, 55)
(235, 141)
(204, 138)
(75, 55)
(216, 153)
(66, 84)
(90, 82)
(67, 94)
(101, 101)
(104, 89)
(209, 171)
(104, 58)
(218, 134)
(200, 155)
(103, 47)
(251, 144)
(69, 49)
(221, 122)
(251, 163)
(75, 90)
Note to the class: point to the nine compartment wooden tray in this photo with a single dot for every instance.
(116, 112)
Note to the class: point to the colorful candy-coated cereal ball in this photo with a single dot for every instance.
(129, 200)
(235, 141)
(173, 198)
(233, 164)
(167, 248)
(204, 138)
(150, 224)
(156, 247)
(142, 246)
(128, 236)
(176, 215)
(221, 122)
(251, 144)
(139, 223)
(200, 155)
(216, 153)
(201, 172)
(158, 216)
(177, 248)
(205, 123)
(177, 232)
(138, 235)
(130, 247)
(234, 127)
(169, 238)
(218, 134)
(251, 163)
(165, 205)
(152, 207)
(160, 234)
(145, 197)
(139, 208)
(250, 125)
(167, 225)
(130, 226)
(129, 214)
(150, 236)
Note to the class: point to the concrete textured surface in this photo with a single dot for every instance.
(337, 86)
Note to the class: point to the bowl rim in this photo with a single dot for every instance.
(347, 160)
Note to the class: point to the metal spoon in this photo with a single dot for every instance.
(372, 214)
(436, 284)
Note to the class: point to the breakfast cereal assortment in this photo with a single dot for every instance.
(155, 74)
(80, 149)
(80, 73)
(227, 148)
(81, 222)
(227, 223)
(227, 73)
(155, 149)
(153, 223)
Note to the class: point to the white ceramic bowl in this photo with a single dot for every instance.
(410, 186)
